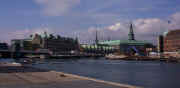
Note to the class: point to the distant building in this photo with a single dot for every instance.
(96, 48)
(161, 44)
(4, 46)
(131, 45)
(55, 44)
(58, 44)
(172, 41)
(21, 44)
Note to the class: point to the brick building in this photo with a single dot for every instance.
(172, 41)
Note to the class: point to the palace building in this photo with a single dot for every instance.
(55, 44)
(131, 45)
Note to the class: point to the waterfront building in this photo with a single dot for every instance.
(4, 49)
(96, 48)
(21, 44)
(55, 44)
(59, 45)
(172, 41)
(4, 46)
(170, 44)
(130, 46)
(160, 44)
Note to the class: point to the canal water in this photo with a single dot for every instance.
(148, 74)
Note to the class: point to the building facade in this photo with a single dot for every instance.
(160, 45)
(172, 41)
(4, 46)
(130, 46)
(96, 49)
(21, 44)
(55, 44)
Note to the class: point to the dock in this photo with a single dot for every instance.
(141, 58)
(27, 77)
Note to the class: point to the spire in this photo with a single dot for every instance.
(96, 41)
(77, 40)
(45, 34)
(131, 33)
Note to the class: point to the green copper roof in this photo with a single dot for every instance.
(129, 42)
(96, 47)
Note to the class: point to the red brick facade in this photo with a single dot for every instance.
(172, 41)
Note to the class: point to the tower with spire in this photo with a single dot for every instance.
(96, 41)
(131, 33)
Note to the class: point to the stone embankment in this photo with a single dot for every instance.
(141, 58)
(17, 76)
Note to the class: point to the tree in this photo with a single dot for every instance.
(51, 36)
(58, 37)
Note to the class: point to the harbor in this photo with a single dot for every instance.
(144, 74)
(90, 44)
(142, 58)
(18, 76)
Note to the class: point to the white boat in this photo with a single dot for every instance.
(9, 62)
(114, 57)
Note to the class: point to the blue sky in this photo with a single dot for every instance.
(20, 18)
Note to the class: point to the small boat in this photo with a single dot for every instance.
(116, 57)
(9, 62)
(26, 61)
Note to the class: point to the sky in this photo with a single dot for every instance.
(80, 18)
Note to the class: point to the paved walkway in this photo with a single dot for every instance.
(26, 77)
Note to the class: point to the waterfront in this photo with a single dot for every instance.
(147, 74)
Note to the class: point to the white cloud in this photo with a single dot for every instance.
(21, 34)
(152, 25)
(116, 26)
(56, 7)
(175, 21)
(145, 29)
(41, 30)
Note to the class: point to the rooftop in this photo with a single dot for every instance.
(129, 42)
(96, 46)
(174, 32)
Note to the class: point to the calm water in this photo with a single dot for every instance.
(139, 73)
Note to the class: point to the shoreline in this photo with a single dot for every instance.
(141, 58)
(97, 80)
(27, 75)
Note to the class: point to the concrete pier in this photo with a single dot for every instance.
(27, 77)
